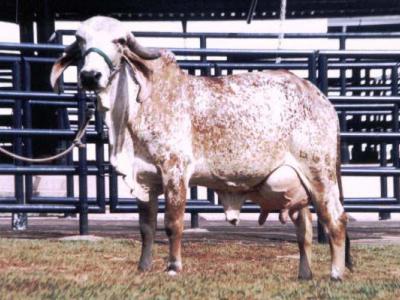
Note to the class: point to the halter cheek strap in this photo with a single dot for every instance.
(102, 54)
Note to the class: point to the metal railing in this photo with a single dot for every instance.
(353, 98)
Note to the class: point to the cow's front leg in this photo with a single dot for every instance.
(148, 224)
(175, 188)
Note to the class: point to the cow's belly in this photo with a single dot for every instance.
(241, 139)
(230, 177)
(239, 162)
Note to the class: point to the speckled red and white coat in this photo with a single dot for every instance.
(236, 129)
(228, 133)
(236, 134)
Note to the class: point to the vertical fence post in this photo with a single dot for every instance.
(210, 195)
(203, 58)
(384, 190)
(323, 73)
(27, 124)
(194, 220)
(396, 162)
(194, 216)
(100, 184)
(312, 67)
(396, 189)
(342, 46)
(82, 169)
(69, 157)
(113, 188)
(19, 220)
(344, 148)
(323, 86)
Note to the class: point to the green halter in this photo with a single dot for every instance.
(102, 54)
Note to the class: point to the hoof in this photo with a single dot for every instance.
(336, 275)
(144, 268)
(350, 265)
(144, 265)
(305, 276)
(172, 273)
(336, 279)
(174, 268)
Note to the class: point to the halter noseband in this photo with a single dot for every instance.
(113, 69)
(103, 55)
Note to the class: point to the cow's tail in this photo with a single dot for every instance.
(348, 258)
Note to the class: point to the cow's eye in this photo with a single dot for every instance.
(121, 41)
(80, 40)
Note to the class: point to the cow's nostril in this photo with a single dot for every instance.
(85, 74)
(97, 76)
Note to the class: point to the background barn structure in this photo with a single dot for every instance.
(362, 84)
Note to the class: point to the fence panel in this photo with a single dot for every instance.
(363, 86)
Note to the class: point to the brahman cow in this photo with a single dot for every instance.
(238, 135)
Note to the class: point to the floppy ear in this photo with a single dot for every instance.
(72, 53)
(142, 74)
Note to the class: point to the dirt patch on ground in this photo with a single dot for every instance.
(379, 232)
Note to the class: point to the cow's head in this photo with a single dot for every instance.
(232, 204)
(103, 43)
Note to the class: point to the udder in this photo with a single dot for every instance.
(282, 191)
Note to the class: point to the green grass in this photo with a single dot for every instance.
(45, 269)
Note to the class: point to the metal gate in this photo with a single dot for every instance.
(368, 108)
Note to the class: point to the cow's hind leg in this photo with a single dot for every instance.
(148, 223)
(332, 216)
(303, 222)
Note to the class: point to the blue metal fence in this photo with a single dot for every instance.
(358, 96)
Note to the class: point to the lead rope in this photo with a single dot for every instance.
(77, 142)
(132, 69)
(281, 31)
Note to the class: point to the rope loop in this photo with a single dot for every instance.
(77, 142)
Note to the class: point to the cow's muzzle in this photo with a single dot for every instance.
(90, 79)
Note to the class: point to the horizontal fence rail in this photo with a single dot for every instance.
(362, 85)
